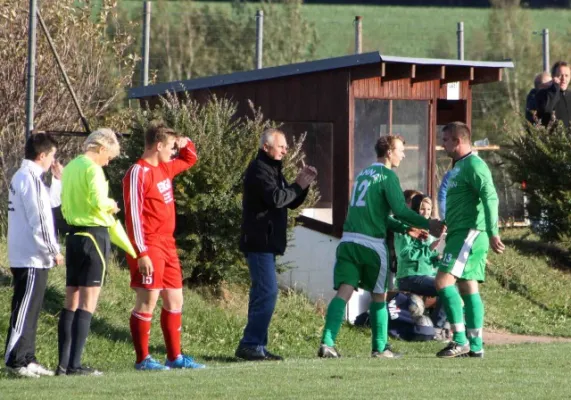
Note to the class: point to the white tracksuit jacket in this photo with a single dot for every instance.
(31, 236)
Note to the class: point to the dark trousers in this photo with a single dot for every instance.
(29, 289)
(423, 285)
(263, 297)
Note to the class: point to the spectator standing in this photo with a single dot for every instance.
(32, 251)
(541, 81)
(267, 197)
(555, 101)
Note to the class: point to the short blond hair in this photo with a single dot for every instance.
(102, 137)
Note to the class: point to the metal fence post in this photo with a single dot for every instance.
(545, 35)
(146, 41)
(460, 40)
(31, 84)
(358, 34)
(259, 38)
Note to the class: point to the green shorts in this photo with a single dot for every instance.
(362, 265)
(465, 255)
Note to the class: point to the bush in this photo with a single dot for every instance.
(209, 195)
(541, 157)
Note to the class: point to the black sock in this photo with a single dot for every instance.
(79, 332)
(64, 336)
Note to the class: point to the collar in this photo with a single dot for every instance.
(462, 158)
(36, 169)
(262, 156)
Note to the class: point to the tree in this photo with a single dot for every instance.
(98, 67)
(209, 195)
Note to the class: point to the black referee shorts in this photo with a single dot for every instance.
(87, 254)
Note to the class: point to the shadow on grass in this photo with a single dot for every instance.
(5, 277)
(222, 359)
(561, 257)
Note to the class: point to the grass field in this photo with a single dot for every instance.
(399, 31)
(527, 292)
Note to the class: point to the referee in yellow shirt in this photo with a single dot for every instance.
(89, 212)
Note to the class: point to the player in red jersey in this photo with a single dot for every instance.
(150, 221)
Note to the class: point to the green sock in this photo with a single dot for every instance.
(379, 325)
(453, 306)
(474, 319)
(333, 320)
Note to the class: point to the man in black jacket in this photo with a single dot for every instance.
(267, 196)
(556, 99)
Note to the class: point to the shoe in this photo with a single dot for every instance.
(150, 364)
(39, 369)
(250, 353)
(454, 349)
(475, 354)
(84, 371)
(271, 356)
(327, 351)
(61, 371)
(22, 372)
(184, 362)
(388, 352)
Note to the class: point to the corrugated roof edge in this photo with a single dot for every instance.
(296, 69)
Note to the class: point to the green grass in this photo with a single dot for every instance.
(399, 31)
(524, 293)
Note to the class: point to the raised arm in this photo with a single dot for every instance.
(186, 158)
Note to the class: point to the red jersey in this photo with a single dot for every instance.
(149, 198)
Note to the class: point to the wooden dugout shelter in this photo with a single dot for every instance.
(344, 104)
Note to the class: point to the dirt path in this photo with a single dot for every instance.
(498, 337)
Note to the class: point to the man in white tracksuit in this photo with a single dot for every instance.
(32, 251)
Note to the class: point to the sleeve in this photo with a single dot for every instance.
(484, 185)
(396, 201)
(133, 195)
(298, 200)
(98, 195)
(35, 210)
(186, 158)
(442, 196)
(55, 193)
(411, 249)
(273, 195)
(547, 99)
(396, 226)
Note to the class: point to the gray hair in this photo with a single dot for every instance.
(102, 137)
(268, 136)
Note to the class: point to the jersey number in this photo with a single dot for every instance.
(362, 189)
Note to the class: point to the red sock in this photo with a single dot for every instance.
(140, 324)
(171, 324)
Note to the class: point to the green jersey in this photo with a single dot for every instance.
(414, 257)
(471, 198)
(376, 192)
(85, 194)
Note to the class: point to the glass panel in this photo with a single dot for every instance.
(371, 121)
(410, 120)
(318, 149)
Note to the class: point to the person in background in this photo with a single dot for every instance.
(554, 102)
(32, 250)
(416, 262)
(541, 81)
(55, 199)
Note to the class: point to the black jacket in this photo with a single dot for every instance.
(267, 196)
(531, 105)
(554, 100)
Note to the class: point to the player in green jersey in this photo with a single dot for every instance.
(362, 255)
(472, 223)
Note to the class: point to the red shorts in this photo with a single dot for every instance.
(167, 273)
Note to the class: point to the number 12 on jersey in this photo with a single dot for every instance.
(361, 187)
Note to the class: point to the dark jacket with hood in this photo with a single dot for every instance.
(267, 196)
